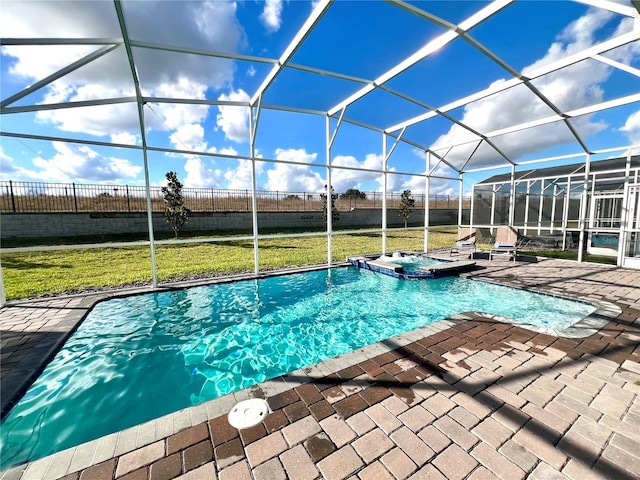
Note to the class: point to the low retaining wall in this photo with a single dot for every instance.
(31, 225)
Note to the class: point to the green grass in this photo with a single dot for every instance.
(37, 274)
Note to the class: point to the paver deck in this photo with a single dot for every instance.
(465, 398)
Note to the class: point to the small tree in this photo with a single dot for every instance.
(407, 203)
(335, 215)
(353, 193)
(174, 210)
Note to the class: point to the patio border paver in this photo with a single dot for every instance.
(445, 384)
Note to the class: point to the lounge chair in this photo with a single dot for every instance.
(485, 236)
(506, 243)
(466, 241)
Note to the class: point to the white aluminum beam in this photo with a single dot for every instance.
(428, 49)
(59, 106)
(618, 65)
(539, 72)
(60, 73)
(195, 101)
(568, 115)
(452, 120)
(143, 136)
(611, 6)
(291, 49)
(48, 138)
(618, 102)
(328, 190)
(58, 41)
(253, 126)
(385, 158)
(201, 52)
(493, 57)
(335, 132)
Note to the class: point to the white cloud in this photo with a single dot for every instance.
(234, 121)
(239, 178)
(251, 71)
(286, 177)
(345, 179)
(271, 15)
(10, 171)
(125, 138)
(100, 120)
(175, 115)
(79, 162)
(437, 186)
(189, 137)
(632, 127)
(161, 74)
(225, 151)
(198, 175)
(570, 88)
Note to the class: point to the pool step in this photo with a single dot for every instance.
(394, 267)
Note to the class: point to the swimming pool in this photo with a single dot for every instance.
(140, 357)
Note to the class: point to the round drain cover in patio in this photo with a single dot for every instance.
(248, 413)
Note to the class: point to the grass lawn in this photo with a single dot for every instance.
(36, 274)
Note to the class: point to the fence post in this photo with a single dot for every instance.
(128, 200)
(13, 199)
(277, 201)
(75, 200)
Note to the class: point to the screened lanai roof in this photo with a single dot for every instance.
(474, 84)
(614, 166)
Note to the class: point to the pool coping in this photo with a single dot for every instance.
(127, 440)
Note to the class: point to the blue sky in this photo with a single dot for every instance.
(354, 38)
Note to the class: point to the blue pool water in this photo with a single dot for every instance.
(138, 358)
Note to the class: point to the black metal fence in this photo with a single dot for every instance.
(36, 197)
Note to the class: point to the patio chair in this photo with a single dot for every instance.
(506, 243)
(484, 236)
(466, 241)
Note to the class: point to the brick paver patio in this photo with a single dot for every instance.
(466, 398)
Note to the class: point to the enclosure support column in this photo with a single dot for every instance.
(253, 128)
(460, 197)
(330, 138)
(143, 136)
(553, 208)
(152, 244)
(565, 213)
(384, 193)
(542, 187)
(512, 197)
(427, 203)
(526, 207)
(473, 191)
(385, 162)
(583, 207)
(3, 298)
(625, 221)
(494, 191)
